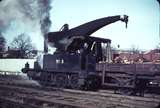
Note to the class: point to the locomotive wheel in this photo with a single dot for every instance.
(43, 79)
(93, 82)
(74, 81)
(61, 81)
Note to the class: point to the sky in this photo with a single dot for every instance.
(143, 30)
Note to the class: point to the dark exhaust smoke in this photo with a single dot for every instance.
(30, 15)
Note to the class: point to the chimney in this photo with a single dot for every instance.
(45, 45)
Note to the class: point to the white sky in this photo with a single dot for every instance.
(143, 26)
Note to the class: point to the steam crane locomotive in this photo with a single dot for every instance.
(73, 64)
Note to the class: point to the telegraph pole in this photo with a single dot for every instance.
(159, 20)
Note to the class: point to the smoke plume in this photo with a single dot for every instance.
(30, 16)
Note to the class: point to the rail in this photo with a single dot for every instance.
(67, 98)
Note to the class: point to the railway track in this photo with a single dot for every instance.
(25, 96)
(32, 97)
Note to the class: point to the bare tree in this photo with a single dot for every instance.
(23, 43)
(158, 46)
(134, 49)
(2, 44)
